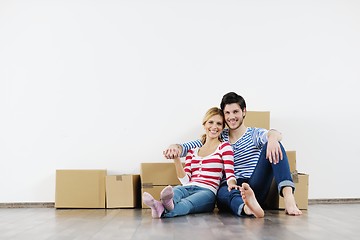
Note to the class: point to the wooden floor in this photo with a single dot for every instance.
(320, 221)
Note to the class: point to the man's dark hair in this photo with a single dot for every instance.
(232, 97)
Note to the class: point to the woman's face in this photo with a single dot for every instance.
(214, 126)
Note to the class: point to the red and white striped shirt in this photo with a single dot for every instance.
(207, 171)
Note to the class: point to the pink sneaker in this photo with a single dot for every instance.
(157, 208)
(166, 198)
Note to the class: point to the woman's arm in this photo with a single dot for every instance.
(228, 159)
(180, 172)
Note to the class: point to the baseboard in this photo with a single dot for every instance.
(52, 204)
(334, 201)
(28, 205)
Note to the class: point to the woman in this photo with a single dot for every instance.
(201, 175)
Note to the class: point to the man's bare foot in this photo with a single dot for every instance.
(251, 207)
(290, 203)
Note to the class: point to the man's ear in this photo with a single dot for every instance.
(244, 113)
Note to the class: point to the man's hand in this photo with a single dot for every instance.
(273, 152)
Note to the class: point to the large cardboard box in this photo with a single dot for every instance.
(80, 189)
(156, 173)
(155, 176)
(123, 191)
(257, 119)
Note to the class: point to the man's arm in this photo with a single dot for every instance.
(180, 150)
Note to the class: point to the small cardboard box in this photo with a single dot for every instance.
(80, 189)
(257, 119)
(123, 191)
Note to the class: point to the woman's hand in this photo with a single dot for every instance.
(173, 151)
(233, 186)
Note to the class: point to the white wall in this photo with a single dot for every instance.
(110, 84)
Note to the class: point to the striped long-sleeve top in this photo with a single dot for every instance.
(208, 171)
(246, 149)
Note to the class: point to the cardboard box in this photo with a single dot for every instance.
(257, 119)
(158, 174)
(292, 160)
(123, 191)
(80, 189)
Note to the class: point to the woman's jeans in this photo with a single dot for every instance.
(260, 182)
(191, 199)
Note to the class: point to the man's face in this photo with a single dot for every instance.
(234, 116)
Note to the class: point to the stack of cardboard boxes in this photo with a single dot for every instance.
(301, 180)
(96, 189)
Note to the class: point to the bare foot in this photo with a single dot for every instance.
(290, 203)
(251, 204)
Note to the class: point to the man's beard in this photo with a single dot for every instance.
(238, 124)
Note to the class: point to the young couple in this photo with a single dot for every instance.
(258, 157)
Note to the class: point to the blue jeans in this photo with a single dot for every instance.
(191, 199)
(260, 182)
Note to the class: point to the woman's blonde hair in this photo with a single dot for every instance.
(210, 113)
